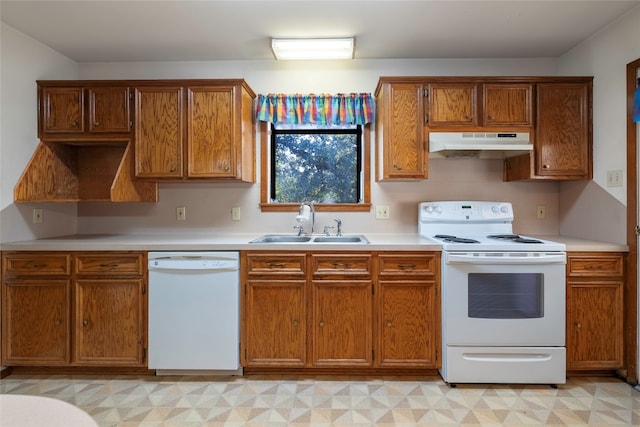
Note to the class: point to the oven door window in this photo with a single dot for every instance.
(506, 295)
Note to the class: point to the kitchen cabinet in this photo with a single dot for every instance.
(74, 309)
(401, 148)
(555, 111)
(563, 147)
(452, 104)
(36, 315)
(274, 311)
(195, 131)
(595, 309)
(336, 311)
(507, 104)
(77, 112)
(342, 314)
(408, 308)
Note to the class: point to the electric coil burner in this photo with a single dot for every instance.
(503, 296)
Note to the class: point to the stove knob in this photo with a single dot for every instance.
(494, 209)
(504, 209)
(428, 209)
(438, 209)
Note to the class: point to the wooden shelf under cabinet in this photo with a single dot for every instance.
(71, 172)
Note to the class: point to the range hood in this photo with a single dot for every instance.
(483, 145)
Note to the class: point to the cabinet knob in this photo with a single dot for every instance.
(578, 325)
(96, 123)
(173, 169)
(74, 124)
(85, 322)
(322, 324)
(295, 323)
(57, 322)
(546, 166)
(389, 323)
(396, 167)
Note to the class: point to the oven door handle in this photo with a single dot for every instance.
(505, 258)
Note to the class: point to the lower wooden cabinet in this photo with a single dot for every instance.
(343, 310)
(73, 309)
(595, 310)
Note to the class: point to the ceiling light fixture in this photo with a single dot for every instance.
(313, 48)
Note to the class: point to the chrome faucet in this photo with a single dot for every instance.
(338, 226)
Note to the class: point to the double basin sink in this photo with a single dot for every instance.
(288, 238)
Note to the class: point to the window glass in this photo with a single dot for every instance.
(316, 163)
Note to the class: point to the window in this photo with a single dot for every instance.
(315, 163)
(325, 164)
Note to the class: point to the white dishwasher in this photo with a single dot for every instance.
(194, 313)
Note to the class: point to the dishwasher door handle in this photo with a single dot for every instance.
(193, 264)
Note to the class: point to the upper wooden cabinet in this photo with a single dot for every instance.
(563, 146)
(507, 104)
(400, 144)
(452, 104)
(555, 111)
(69, 112)
(203, 130)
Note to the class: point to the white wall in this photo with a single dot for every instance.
(209, 204)
(592, 209)
(24, 61)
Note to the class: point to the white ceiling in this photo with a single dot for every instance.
(148, 30)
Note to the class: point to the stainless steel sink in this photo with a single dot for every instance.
(341, 239)
(281, 238)
(288, 238)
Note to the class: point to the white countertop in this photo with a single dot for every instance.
(210, 242)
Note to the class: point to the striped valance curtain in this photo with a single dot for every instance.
(323, 109)
(636, 104)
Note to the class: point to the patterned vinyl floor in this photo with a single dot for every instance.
(267, 401)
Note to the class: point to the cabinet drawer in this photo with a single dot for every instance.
(276, 264)
(332, 265)
(596, 265)
(36, 263)
(116, 263)
(406, 265)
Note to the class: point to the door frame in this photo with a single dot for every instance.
(631, 283)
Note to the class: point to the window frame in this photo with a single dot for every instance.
(265, 178)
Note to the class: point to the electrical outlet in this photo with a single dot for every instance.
(614, 178)
(382, 212)
(541, 211)
(38, 216)
(181, 213)
(235, 213)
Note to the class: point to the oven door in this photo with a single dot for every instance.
(503, 299)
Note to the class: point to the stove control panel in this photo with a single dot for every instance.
(465, 211)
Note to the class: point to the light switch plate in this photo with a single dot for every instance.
(614, 178)
(382, 212)
(235, 213)
(181, 213)
(38, 216)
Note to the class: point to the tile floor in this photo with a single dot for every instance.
(267, 401)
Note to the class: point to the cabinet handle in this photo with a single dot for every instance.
(389, 323)
(322, 324)
(109, 265)
(578, 325)
(342, 265)
(295, 323)
(593, 267)
(276, 265)
(406, 266)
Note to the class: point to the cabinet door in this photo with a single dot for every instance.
(452, 104)
(109, 110)
(275, 326)
(342, 323)
(595, 325)
(507, 104)
(211, 133)
(62, 110)
(401, 132)
(159, 132)
(407, 324)
(563, 136)
(109, 322)
(35, 322)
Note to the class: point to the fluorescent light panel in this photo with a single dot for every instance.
(313, 48)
